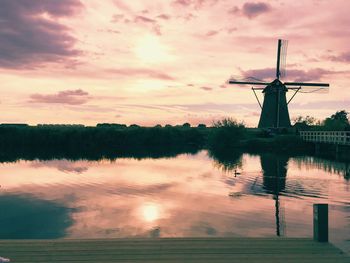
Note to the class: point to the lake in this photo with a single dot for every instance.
(190, 195)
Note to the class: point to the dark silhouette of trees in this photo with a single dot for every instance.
(102, 141)
(225, 135)
(338, 121)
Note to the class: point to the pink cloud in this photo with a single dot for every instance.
(212, 33)
(234, 10)
(188, 17)
(155, 27)
(141, 20)
(183, 2)
(120, 4)
(251, 9)
(144, 19)
(117, 18)
(197, 4)
(143, 72)
(29, 39)
(343, 57)
(164, 16)
(206, 88)
(71, 97)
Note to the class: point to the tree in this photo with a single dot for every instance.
(308, 120)
(225, 135)
(341, 116)
(337, 121)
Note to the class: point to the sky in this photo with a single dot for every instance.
(166, 61)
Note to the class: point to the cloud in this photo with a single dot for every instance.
(231, 30)
(188, 17)
(293, 74)
(214, 107)
(30, 34)
(164, 16)
(251, 9)
(212, 33)
(234, 10)
(144, 19)
(263, 74)
(196, 4)
(343, 57)
(140, 20)
(183, 2)
(143, 72)
(206, 88)
(116, 18)
(71, 97)
(113, 31)
(330, 104)
(121, 5)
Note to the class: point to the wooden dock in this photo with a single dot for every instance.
(252, 250)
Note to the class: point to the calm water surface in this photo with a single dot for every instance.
(188, 195)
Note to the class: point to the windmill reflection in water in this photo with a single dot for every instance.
(274, 172)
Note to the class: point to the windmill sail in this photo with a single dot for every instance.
(281, 58)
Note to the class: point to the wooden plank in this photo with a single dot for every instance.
(172, 250)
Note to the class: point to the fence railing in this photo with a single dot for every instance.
(334, 137)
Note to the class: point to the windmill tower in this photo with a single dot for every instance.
(274, 111)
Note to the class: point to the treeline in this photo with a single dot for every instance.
(224, 140)
(102, 141)
(338, 121)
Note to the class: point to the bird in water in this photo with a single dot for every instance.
(236, 173)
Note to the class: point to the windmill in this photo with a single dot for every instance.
(274, 111)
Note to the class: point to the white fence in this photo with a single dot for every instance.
(334, 137)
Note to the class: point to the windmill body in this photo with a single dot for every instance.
(274, 111)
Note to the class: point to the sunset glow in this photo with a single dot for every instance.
(166, 62)
(150, 212)
(150, 50)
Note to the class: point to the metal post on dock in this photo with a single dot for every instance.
(321, 222)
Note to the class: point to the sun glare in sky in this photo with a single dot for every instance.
(150, 49)
(150, 212)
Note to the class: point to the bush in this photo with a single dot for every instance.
(225, 135)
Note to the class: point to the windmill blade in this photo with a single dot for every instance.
(247, 82)
(314, 90)
(308, 87)
(283, 58)
(278, 58)
(301, 84)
